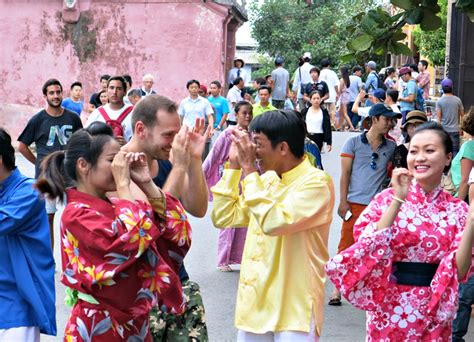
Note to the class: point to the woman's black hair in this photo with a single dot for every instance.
(388, 71)
(240, 104)
(57, 167)
(282, 125)
(7, 152)
(99, 127)
(345, 76)
(435, 127)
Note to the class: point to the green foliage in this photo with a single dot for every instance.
(432, 44)
(289, 28)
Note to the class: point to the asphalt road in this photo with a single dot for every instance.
(342, 324)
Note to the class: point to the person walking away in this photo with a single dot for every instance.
(408, 95)
(300, 79)
(449, 112)
(280, 86)
(330, 77)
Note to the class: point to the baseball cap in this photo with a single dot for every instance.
(415, 116)
(447, 83)
(307, 55)
(279, 60)
(378, 93)
(372, 65)
(404, 70)
(383, 109)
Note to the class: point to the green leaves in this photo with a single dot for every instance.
(404, 4)
(362, 42)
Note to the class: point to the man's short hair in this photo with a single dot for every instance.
(128, 79)
(78, 84)
(148, 76)
(217, 84)
(104, 77)
(190, 82)
(357, 68)
(393, 94)
(315, 69)
(424, 63)
(147, 108)
(7, 152)
(50, 82)
(237, 80)
(325, 62)
(261, 81)
(118, 78)
(414, 67)
(282, 125)
(265, 87)
(135, 93)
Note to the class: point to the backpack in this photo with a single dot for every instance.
(116, 125)
(420, 100)
(380, 81)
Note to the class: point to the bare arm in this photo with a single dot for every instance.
(346, 169)
(439, 115)
(26, 152)
(409, 98)
(466, 167)
(464, 251)
(223, 120)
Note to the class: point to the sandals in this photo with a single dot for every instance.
(224, 268)
(335, 300)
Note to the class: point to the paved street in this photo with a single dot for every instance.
(219, 289)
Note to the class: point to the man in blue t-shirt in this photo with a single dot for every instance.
(219, 103)
(74, 103)
(408, 96)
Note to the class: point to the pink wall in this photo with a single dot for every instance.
(173, 40)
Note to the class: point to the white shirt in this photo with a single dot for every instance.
(233, 74)
(234, 95)
(113, 114)
(314, 121)
(190, 110)
(330, 77)
(305, 78)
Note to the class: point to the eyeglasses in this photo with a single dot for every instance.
(373, 158)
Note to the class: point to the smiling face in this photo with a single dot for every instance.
(159, 138)
(267, 156)
(54, 96)
(427, 158)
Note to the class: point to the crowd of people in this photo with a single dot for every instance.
(130, 165)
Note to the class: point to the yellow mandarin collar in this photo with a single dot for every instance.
(296, 172)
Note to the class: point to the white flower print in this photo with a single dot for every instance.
(403, 315)
(408, 220)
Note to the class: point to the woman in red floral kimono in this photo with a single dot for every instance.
(413, 248)
(109, 248)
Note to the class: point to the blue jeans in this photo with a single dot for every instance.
(455, 139)
(466, 299)
(355, 118)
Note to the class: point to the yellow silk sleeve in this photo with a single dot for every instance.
(229, 210)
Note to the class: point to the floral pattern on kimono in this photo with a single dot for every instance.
(427, 229)
(122, 258)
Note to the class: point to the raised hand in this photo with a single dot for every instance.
(401, 180)
(121, 169)
(180, 148)
(139, 170)
(198, 138)
(246, 150)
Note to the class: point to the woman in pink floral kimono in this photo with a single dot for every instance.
(414, 244)
(231, 241)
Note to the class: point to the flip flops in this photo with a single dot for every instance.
(224, 268)
(335, 300)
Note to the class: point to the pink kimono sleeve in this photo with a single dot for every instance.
(362, 271)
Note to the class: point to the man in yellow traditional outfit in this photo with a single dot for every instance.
(288, 210)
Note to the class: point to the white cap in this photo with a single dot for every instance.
(307, 55)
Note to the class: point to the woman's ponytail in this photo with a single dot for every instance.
(51, 180)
